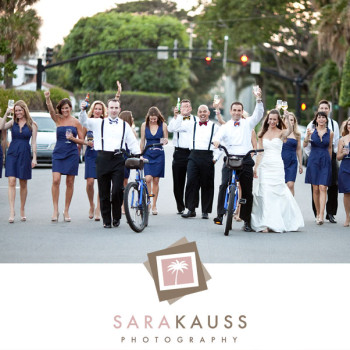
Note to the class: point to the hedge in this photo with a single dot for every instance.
(34, 99)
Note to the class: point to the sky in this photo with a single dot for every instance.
(59, 17)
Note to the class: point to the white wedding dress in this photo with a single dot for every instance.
(274, 206)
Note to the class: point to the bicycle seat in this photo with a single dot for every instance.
(135, 163)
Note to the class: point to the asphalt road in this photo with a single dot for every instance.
(85, 241)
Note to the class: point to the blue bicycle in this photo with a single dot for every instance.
(232, 196)
(136, 196)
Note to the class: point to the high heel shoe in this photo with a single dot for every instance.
(11, 220)
(23, 218)
(55, 218)
(91, 212)
(66, 219)
(154, 211)
(97, 216)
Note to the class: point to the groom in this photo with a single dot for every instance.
(236, 136)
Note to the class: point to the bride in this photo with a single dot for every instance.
(274, 207)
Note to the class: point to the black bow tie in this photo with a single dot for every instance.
(186, 118)
(111, 121)
(203, 123)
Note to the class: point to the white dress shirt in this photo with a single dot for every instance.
(334, 128)
(112, 134)
(238, 139)
(201, 135)
(181, 140)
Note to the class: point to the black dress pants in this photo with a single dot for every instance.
(110, 173)
(245, 177)
(179, 166)
(200, 176)
(332, 190)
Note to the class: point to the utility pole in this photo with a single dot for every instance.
(39, 74)
(225, 52)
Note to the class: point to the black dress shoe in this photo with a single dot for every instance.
(180, 212)
(116, 222)
(205, 216)
(331, 218)
(107, 225)
(189, 214)
(218, 220)
(247, 227)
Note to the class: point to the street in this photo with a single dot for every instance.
(85, 241)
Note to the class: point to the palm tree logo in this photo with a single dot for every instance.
(177, 266)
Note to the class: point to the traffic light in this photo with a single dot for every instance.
(244, 59)
(49, 55)
(303, 106)
(208, 59)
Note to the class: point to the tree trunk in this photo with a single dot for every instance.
(8, 74)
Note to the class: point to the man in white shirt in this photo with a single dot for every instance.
(236, 136)
(110, 135)
(200, 167)
(181, 142)
(332, 191)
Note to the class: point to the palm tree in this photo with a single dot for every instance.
(334, 28)
(177, 266)
(19, 28)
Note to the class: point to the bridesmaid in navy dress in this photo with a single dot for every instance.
(65, 157)
(344, 170)
(19, 162)
(291, 154)
(154, 130)
(319, 167)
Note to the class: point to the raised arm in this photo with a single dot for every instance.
(3, 124)
(258, 111)
(286, 132)
(50, 107)
(119, 92)
(218, 113)
(172, 124)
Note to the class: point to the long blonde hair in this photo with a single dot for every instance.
(91, 110)
(28, 118)
(295, 126)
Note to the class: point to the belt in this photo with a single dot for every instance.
(182, 149)
(201, 151)
(110, 153)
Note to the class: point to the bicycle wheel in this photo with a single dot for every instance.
(230, 210)
(136, 213)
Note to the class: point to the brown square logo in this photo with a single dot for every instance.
(177, 271)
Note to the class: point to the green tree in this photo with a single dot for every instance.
(19, 28)
(138, 71)
(344, 98)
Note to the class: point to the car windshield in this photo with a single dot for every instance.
(45, 124)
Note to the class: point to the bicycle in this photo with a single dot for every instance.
(232, 196)
(136, 196)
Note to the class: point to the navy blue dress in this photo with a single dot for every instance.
(156, 157)
(344, 175)
(65, 156)
(289, 156)
(319, 167)
(90, 160)
(1, 155)
(19, 159)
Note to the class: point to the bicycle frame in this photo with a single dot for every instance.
(228, 189)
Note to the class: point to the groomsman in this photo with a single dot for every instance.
(200, 167)
(181, 142)
(332, 191)
(110, 135)
(236, 136)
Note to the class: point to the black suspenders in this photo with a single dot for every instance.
(121, 144)
(194, 135)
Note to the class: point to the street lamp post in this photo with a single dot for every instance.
(225, 52)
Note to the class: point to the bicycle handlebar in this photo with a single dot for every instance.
(255, 151)
(129, 155)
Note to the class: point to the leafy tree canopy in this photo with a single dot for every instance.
(137, 70)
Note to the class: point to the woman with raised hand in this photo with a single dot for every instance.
(154, 130)
(291, 153)
(19, 161)
(65, 157)
(344, 170)
(274, 207)
(319, 164)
